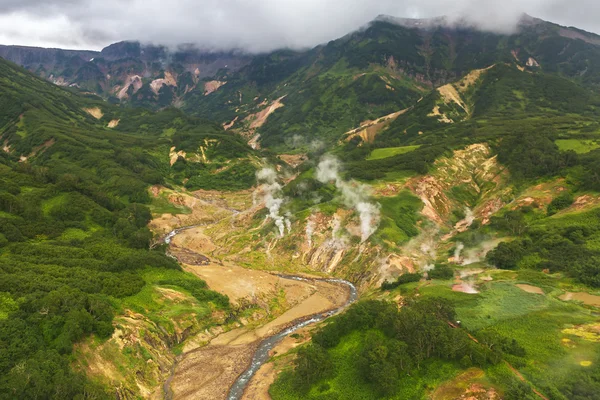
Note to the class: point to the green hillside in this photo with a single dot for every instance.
(73, 226)
(451, 174)
(382, 69)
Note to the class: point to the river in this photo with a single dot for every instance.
(261, 355)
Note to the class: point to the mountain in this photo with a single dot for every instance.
(120, 70)
(293, 97)
(450, 174)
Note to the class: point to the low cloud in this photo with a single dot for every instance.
(254, 26)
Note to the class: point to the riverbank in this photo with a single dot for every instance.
(209, 367)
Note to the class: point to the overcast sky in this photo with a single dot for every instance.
(252, 25)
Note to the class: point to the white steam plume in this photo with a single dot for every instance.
(469, 287)
(273, 199)
(459, 248)
(469, 216)
(336, 226)
(310, 230)
(477, 254)
(354, 195)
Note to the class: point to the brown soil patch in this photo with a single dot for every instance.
(168, 80)
(293, 160)
(531, 62)
(257, 120)
(435, 201)
(194, 239)
(172, 295)
(368, 130)
(208, 372)
(254, 142)
(464, 288)
(258, 387)
(472, 77)
(212, 86)
(229, 125)
(583, 202)
(530, 289)
(388, 190)
(203, 212)
(97, 365)
(95, 112)
(174, 155)
(469, 168)
(450, 94)
(107, 361)
(585, 298)
(133, 80)
(38, 149)
(569, 33)
(442, 117)
(114, 123)
(466, 386)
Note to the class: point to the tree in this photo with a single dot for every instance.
(312, 365)
(506, 255)
(560, 203)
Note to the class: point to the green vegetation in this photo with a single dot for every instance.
(400, 215)
(374, 351)
(73, 229)
(402, 279)
(75, 204)
(237, 177)
(565, 243)
(560, 202)
(378, 154)
(577, 145)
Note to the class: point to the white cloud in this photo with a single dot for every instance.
(257, 25)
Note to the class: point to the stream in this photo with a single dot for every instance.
(261, 355)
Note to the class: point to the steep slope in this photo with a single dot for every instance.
(383, 69)
(121, 70)
(75, 262)
(287, 98)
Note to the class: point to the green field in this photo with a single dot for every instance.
(577, 145)
(379, 154)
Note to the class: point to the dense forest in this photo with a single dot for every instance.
(392, 350)
(73, 226)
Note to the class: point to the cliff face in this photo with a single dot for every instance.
(29, 56)
(109, 72)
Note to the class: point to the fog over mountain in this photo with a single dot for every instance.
(253, 26)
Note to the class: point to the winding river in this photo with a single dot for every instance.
(261, 355)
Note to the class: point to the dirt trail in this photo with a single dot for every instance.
(522, 378)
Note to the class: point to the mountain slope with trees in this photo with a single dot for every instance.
(74, 241)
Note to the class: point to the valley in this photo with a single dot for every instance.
(410, 211)
(282, 303)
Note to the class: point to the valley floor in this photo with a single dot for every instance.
(211, 361)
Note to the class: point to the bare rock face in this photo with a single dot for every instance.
(113, 70)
